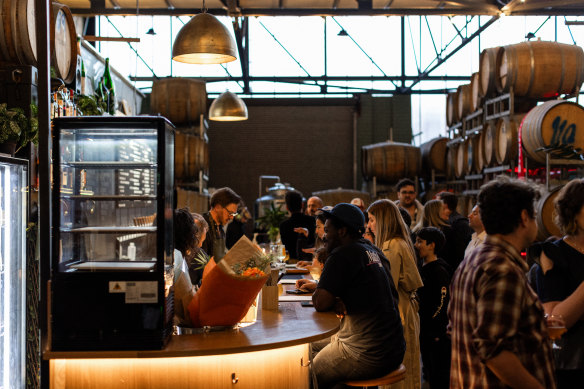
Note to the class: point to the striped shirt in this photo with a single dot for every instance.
(493, 309)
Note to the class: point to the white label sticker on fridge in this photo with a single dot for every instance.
(141, 292)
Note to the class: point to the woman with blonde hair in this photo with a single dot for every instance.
(434, 216)
(392, 237)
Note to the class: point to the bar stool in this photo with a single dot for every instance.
(395, 376)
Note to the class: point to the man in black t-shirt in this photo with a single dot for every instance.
(357, 284)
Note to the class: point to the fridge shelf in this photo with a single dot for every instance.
(110, 230)
(110, 164)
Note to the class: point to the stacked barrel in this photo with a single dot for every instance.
(184, 102)
(388, 162)
(518, 87)
(529, 73)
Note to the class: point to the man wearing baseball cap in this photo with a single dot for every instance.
(357, 284)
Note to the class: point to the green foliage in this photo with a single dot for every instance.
(271, 220)
(91, 105)
(16, 127)
(259, 261)
(201, 259)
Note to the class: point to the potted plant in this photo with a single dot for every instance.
(16, 129)
(271, 221)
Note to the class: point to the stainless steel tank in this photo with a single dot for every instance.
(276, 195)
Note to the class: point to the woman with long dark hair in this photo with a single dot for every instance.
(562, 283)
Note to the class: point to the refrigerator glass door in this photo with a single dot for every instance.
(13, 197)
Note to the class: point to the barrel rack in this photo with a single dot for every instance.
(193, 191)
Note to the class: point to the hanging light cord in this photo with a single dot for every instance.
(204, 9)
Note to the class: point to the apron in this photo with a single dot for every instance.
(219, 248)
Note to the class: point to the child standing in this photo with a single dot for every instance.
(434, 297)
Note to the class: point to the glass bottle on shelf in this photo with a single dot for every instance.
(83, 78)
(72, 98)
(61, 103)
(54, 106)
(108, 83)
(70, 103)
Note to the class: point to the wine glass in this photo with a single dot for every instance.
(556, 328)
(279, 252)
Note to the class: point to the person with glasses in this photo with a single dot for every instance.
(224, 205)
(406, 199)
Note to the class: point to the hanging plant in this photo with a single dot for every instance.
(16, 127)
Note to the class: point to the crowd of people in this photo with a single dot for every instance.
(418, 282)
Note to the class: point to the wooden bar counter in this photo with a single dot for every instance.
(271, 353)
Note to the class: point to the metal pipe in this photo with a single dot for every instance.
(354, 150)
(44, 200)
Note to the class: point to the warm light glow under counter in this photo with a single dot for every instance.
(272, 353)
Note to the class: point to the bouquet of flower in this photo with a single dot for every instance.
(228, 288)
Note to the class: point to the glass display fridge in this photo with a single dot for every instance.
(13, 219)
(111, 265)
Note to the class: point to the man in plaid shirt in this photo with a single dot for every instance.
(499, 335)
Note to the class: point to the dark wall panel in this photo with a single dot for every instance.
(308, 145)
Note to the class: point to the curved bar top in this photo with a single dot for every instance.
(291, 325)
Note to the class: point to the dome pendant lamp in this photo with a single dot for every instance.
(228, 107)
(204, 40)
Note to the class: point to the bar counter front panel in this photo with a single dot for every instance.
(271, 353)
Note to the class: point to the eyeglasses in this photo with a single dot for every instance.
(407, 192)
(231, 213)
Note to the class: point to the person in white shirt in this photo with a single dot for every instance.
(475, 222)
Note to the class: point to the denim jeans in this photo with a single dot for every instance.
(333, 365)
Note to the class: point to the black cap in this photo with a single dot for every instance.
(348, 214)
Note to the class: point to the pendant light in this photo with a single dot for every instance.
(228, 107)
(204, 40)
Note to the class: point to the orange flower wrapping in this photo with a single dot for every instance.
(253, 272)
(223, 298)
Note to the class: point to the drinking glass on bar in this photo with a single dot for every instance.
(556, 328)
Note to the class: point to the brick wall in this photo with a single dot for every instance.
(307, 142)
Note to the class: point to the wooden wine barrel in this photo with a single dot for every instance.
(461, 163)
(481, 146)
(196, 160)
(539, 69)
(489, 130)
(553, 123)
(465, 205)
(475, 159)
(487, 71)
(451, 109)
(464, 95)
(17, 32)
(505, 143)
(181, 100)
(201, 202)
(335, 196)
(390, 161)
(206, 158)
(434, 155)
(451, 154)
(546, 225)
(181, 152)
(63, 42)
(476, 99)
